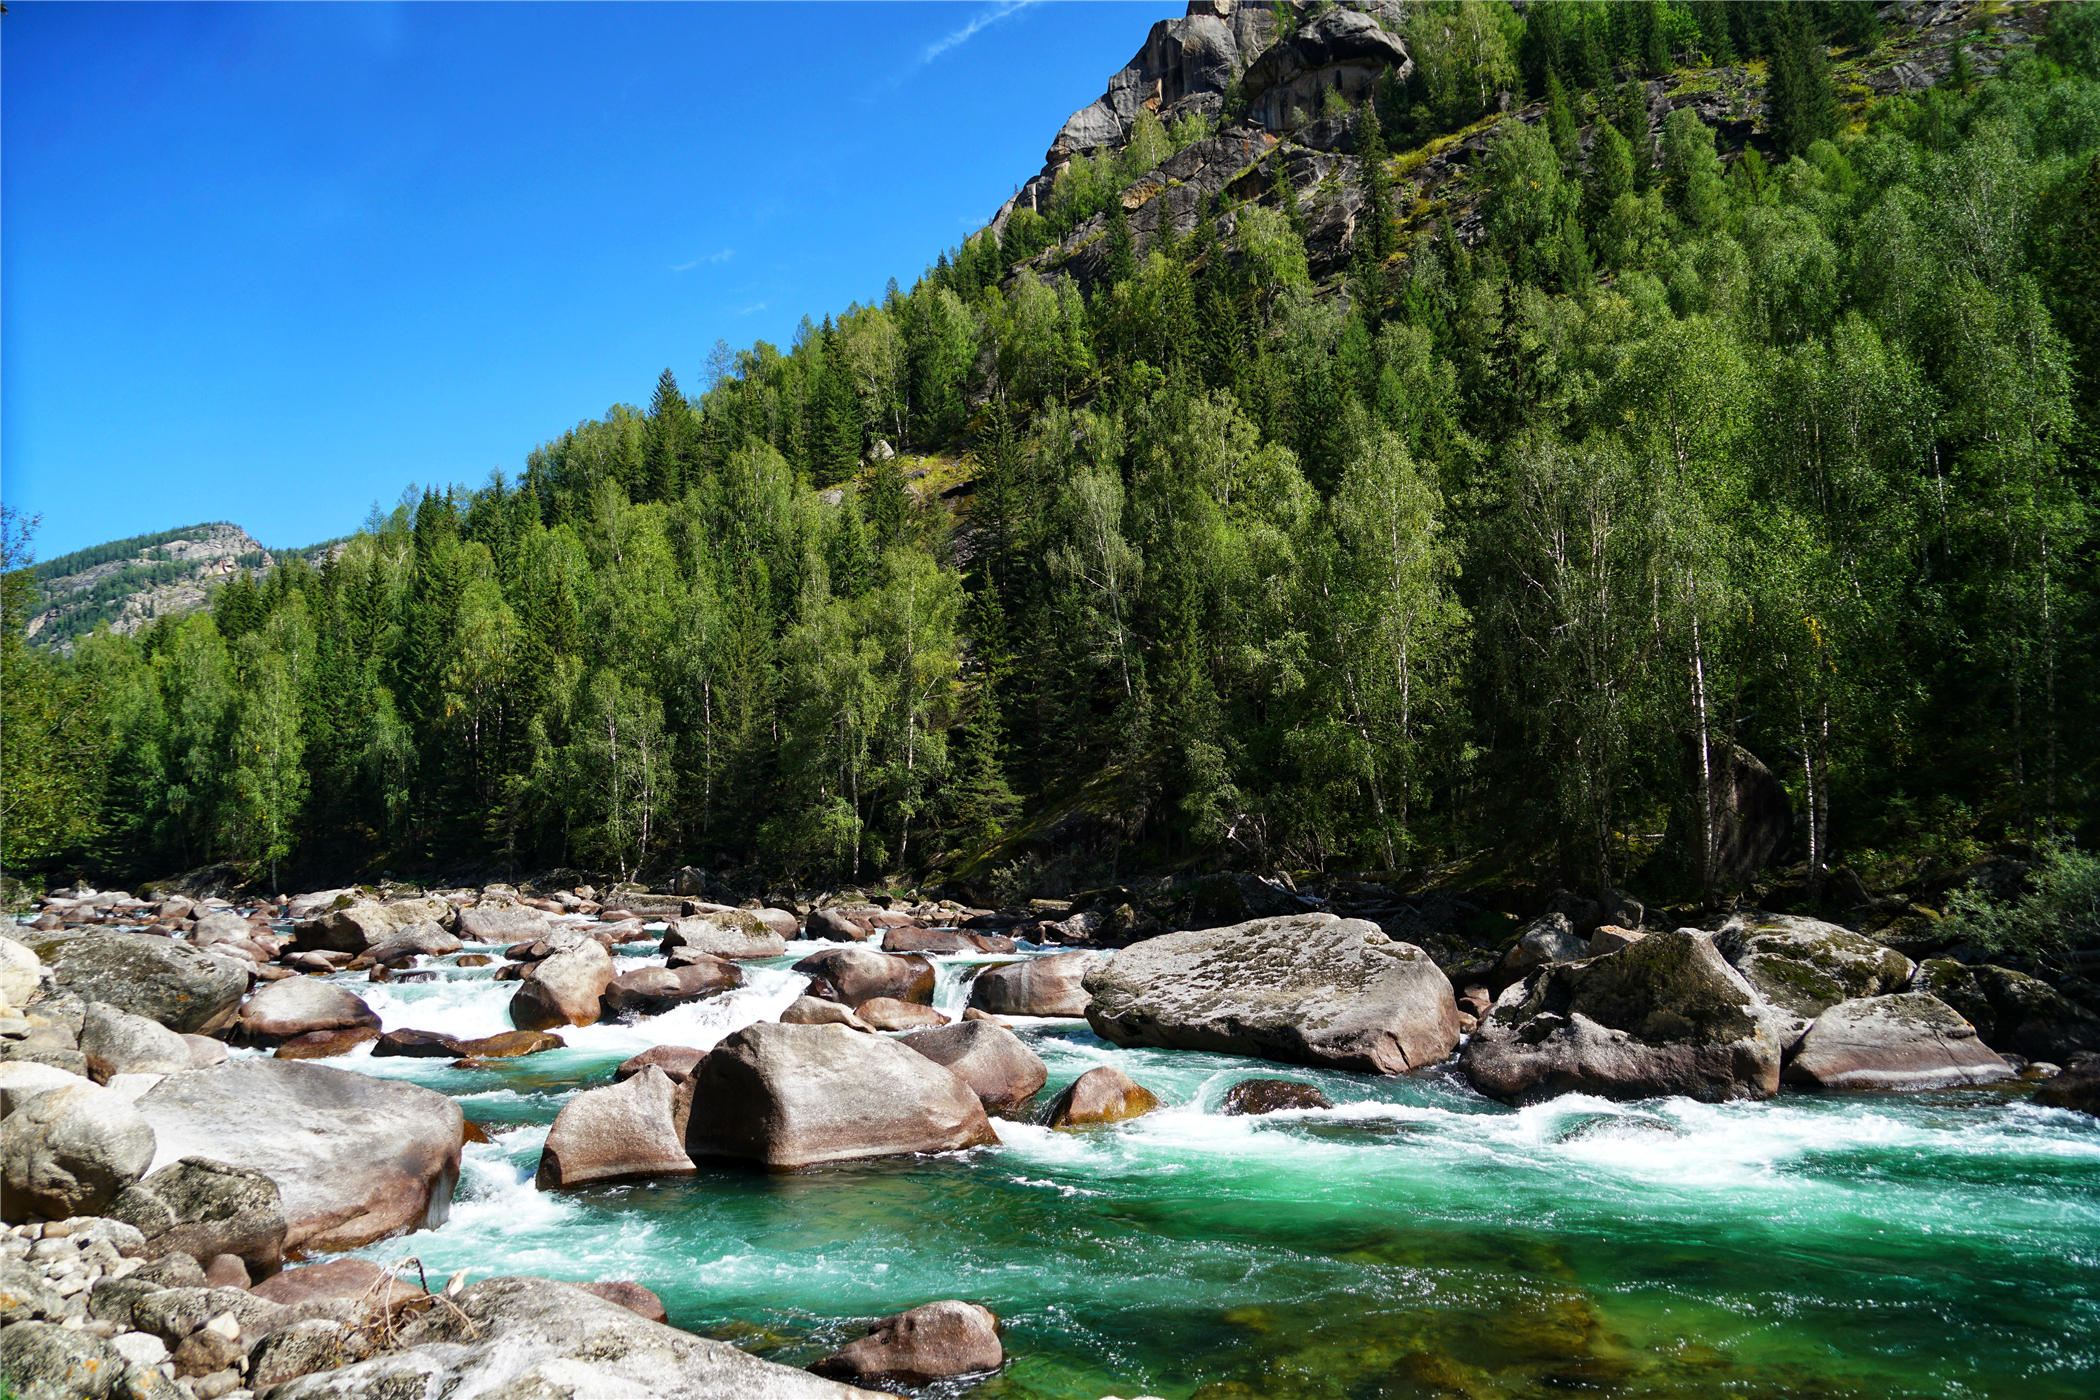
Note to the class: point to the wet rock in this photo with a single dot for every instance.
(533, 1337)
(157, 978)
(927, 940)
(2077, 1088)
(734, 935)
(1667, 1015)
(1806, 966)
(355, 1158)
(676, 1061)
(405, 945)
(791, 1096)
(117, 1042)
(999, 1068)
(361, 926)
(890, 1014)
(635, 1128)
(926, 1344)
(425, 1045)
(509, 1045)
(2014, 1013)
(650, 991)
(812, 1011)
(1048, 986)
(1907, 1040)
(629, 1295)
(1254, 1096)
(322, 1045)
(563, 989)
(205, 1208)
(1310, 989)
(69, 1151)
(299, 1007)
(1102, 1095)
(854, 974)
(503, 924)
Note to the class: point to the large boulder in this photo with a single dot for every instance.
(815, 1011)
(854, 974)
(1049, 986)
(46, 1361)
(1258, 1096)
(205, 1208)
(564, 989)
(676, 1061)
(117, 1042)
(20, 972)
(1310, 989)
(649, 991)
(1001, 1070)
(1806, 966)
(929, 1343)
(2077, 1088)
(355, 1158)
(796, 1096)
(503, 923)
(732, 935)
(147, 975)
(69, 1151)
(1907, 1040)
(1751, 813)
(633, 1128)
(836, 926)
(1665, 1015)
(890, 1014)
(1103, 1094)
(300, 1006)
(360, 926)
(1552, 938)
(2014, 1013)
(22, 1080)
(405, 945)
(519, 1337)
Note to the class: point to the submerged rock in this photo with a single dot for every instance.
(1051, 986)
(1665, 1015)
(1309, 989)
(150, 976)
(520, 1337)
(635, 1128)
(1252, 1096)
(1907, 1040)
(854, 974)
(1101, 1095)
(928, 1343)
(788, 1096)
(999, 1068)
(355, 1158)
(1806, 966)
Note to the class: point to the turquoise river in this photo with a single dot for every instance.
(1416, 1240)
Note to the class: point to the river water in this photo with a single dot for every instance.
(1414, 1241)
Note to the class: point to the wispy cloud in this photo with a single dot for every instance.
(754, 306)
(970, 31)
(721, 257)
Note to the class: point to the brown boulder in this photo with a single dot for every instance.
(301, 1006)
(1050, 986)
(854, 974)
(629, 1295)
(999, 1068)
(1908, 1040)
(927, 940)
(563, 989)
(509, 1045)
(890, 1014)
(321, 1045)
(650, 991)
(503, 924)
(676, 1061)
(1253, 1096)
(836, 926)
(2076, 1088)
(811, 1011)
(929, 1343)
(424, 1045)
(634, 1128)
(1101, 1095)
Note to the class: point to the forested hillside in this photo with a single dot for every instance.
(1458, 466)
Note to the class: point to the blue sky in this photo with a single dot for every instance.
(270, 263)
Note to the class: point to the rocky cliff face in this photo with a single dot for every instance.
(162, 577)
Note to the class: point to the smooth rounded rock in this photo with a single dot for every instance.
(651, 991)
(1806, 966)
(676, 1061)
(1101, 1095)
(835, 925)
(564, 989)
(731, 935)
(997, 1065)
(1049, 986)
(322, 1045)
(890, 1014)
(854, 974)
(301, 1006)
(929, 1343)
(814, 1011)
(635, 1128)
(69, 1151)
(158, 978)
(1907, 1040)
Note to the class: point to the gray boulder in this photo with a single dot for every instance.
(731, 935)
(1002, 1071)
(1665, 1015)
(1049, 986)
(357, 928)
(564, 989)
(117, 1042)
(500, 923)
(25, 1296)
(44, 1361)
(649, 991)
(635, 1128)
(796, 1096)
(21, 1080)
(69, 1151)
(204, 1208)
(1553, 938)
(814, 1011)
(317, 1344)
(21, 970)
(1311, 989)
(147, 975)
(1806, 966)
(355, 1158)
(533, 1337)
(853, 974)
(1907, 1040)
(2014, 1013)
(836, 926)
(299, 1006)
(929, 1343)
(416, 941)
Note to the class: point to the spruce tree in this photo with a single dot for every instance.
(663, 457)
(1801, 96)
(1561, 123)
(1378, 194)
(1122, 249)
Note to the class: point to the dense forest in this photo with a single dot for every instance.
(1472, 550)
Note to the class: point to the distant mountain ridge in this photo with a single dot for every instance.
(130, 583)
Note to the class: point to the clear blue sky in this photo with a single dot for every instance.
(270, 263)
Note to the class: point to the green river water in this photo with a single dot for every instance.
(1415, 1241)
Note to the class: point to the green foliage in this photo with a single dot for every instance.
(2059, 914)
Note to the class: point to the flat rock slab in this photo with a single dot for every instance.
(355, 1158)
(1308, 989)
(1910, 1040)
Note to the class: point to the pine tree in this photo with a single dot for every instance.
(1122, 250)
(1801, 96)
(1561, 123)
(1378, 196)
(663, 457)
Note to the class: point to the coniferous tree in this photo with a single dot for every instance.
(1800, 93)
(1561, 123)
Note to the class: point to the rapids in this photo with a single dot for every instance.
(1415, 1240)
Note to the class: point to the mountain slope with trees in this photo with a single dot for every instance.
(1477, 459)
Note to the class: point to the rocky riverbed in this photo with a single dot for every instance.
(648, 1144)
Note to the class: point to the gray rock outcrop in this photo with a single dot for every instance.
(204, 1208)
(117, 1042)
(1309, 989)
(158, 978)
(2014, 1013)
(735, 935)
